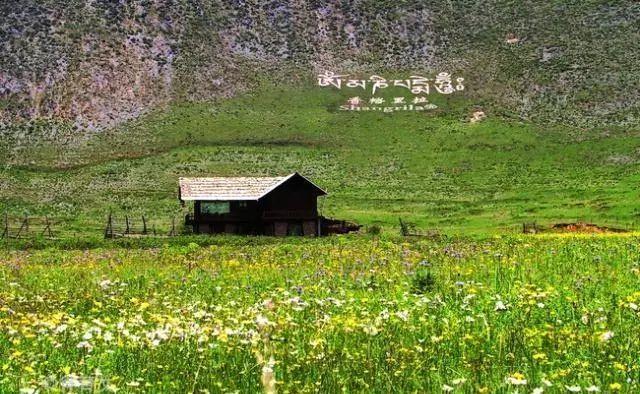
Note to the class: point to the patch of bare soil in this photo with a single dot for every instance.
(582, 227)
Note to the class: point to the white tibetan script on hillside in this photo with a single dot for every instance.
(419, 86)
(442, 83)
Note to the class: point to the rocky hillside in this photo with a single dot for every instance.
(75, 66)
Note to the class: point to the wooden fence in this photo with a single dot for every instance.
(408, 229)
(26, 227)
(130, 226)
(33, 227)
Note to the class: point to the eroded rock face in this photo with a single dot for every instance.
(89, 63)
(92, 64)
(95, 64)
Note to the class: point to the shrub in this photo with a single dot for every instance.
(423, 281)
(374, 229)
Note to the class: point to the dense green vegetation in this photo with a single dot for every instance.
(355, 314)
(435, 169)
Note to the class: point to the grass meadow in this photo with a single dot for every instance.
(504, 314)
(435, 168)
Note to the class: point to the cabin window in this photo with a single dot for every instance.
(242, 204)
(215, 207)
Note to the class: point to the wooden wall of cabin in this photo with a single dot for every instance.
(284, 227)
(296, 195)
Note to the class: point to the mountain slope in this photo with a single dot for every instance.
(433, 168)
(69, 67)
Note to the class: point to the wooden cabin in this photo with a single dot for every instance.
(280, 206)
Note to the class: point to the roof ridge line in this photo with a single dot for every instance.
(286, 178)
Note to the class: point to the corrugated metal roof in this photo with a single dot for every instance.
(232, 188)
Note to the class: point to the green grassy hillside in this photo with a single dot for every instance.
(435, 169)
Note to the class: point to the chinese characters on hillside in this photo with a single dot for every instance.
(418, 86)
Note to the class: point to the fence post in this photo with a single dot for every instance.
(22, 226)
(173, 227)
(126, 218)
(5, 232)
(47, 227)
(144, 225)
(108, 231)
(404, 230)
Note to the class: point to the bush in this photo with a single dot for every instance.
(423, 281)
(407, 228)
(374, 229)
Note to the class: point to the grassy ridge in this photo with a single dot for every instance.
(435, 169)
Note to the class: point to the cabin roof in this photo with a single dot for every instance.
(233, 188)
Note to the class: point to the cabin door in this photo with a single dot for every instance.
(309, 228)
(294, 228)
(290, 228)
(280, 229)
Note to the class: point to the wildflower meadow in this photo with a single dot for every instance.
(527, 314)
